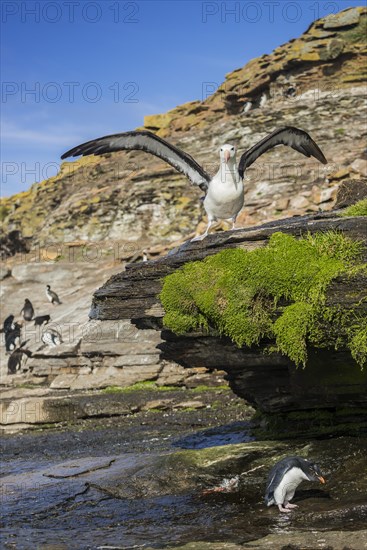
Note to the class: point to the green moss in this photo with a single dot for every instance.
(276, 292)
(204, 388)
(358, 33)
(358, 344)
(291, 330)
(357, 209)
(29, 386)
(147, 385)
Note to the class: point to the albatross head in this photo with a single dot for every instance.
(227, 153)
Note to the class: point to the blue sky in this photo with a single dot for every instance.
(73, 70)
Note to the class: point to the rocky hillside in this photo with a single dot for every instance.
(316, 82)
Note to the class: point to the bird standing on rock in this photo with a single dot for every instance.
(52, 296)
(51, 337)
(15, 359)
(224, 192)
(284, 478)
(12, 336)
(8, 324)
(27, 310)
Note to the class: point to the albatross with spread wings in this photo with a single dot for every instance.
(224, 191)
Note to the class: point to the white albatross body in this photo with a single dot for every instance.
(225, 195)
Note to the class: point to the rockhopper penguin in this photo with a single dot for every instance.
(8, 324)
(27, 310)
(284, 478)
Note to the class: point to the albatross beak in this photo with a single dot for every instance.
(322, 480)
(227, 155)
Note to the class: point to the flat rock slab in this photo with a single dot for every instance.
(44, 407)
(337, 540)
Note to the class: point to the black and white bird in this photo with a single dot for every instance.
(51, 337)
(8, 324)
(27, 310)
(224, 191)
(284, 478)
(263, 100)
(52, 296)
(12, 336)
(18, 356)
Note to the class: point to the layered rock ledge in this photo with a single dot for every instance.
(331, 381)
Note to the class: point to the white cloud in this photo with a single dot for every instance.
(48, 136)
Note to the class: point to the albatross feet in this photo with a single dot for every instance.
(199, 237)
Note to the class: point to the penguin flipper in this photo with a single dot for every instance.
(269, 498)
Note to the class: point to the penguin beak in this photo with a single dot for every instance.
(322, 480)
(226, 155)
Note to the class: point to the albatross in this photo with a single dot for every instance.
(224, 191)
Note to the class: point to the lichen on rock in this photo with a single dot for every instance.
(276, 293)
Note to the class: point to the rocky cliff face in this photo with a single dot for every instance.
(314, 82)
(93, 355)
(325, 60)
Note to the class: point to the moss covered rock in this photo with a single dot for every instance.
(276, 293)
(357, 209)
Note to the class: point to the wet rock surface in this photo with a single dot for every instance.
(144, 480)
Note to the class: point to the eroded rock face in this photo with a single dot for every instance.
(91, 355)
(12, 243)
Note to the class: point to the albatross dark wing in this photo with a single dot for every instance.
(150, 143)
(293, 137)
